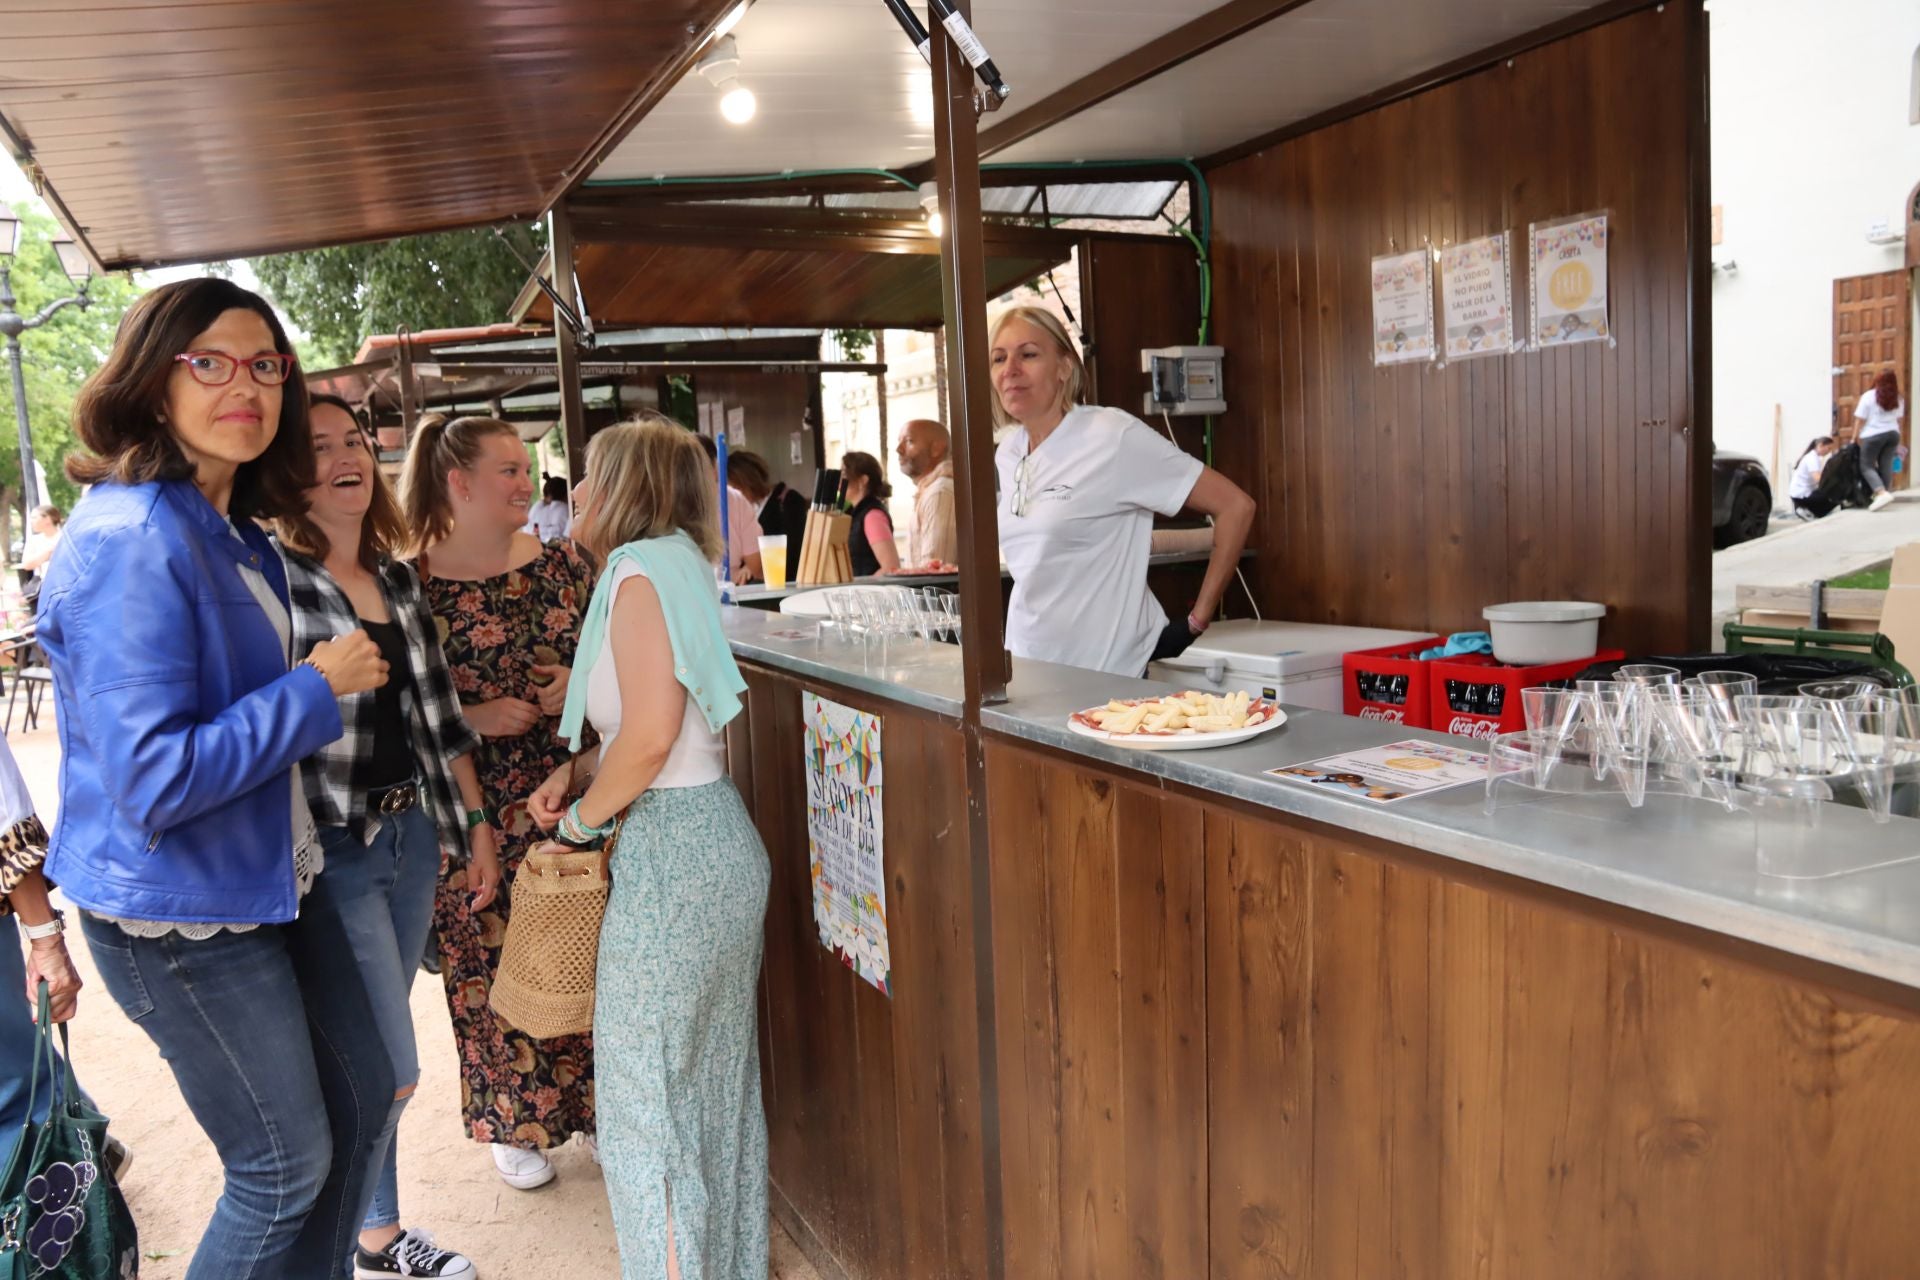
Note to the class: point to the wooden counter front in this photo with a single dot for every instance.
(1227, 1044)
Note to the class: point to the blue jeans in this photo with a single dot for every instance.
(266, 1034)
(19, 1038)
(384, 892)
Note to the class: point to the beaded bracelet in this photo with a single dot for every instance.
(573, 828)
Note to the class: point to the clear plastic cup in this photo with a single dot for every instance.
(773, 560)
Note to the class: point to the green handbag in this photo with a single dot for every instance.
(61, 1216)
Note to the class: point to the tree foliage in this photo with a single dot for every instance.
(56, 358)
(342, 295)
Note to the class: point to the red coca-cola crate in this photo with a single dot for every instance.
(1477, 697)
(1396, 680)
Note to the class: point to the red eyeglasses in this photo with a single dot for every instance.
(217, 368)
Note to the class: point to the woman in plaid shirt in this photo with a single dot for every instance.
(397, 789)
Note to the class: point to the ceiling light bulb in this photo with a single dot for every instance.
(738, 104)
(936, 225)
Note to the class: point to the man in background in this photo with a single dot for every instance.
(923, 456)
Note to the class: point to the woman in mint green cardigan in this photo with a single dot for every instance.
(682, 1135)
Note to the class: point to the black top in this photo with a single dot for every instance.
(786, 512)
(391, 761)
(859, 550)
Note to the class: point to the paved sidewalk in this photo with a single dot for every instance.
(447, 1185)
(1795, 552)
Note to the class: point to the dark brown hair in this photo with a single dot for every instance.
(382, 529)
(1886, 389)
(747, 472)
(865, 464)
(647, 478)
(118, 414)
(440, 445)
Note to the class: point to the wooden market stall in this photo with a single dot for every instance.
(1166, 1016)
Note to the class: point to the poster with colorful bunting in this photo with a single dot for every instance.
(846, 837)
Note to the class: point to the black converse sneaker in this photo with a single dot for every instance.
(412, 1253)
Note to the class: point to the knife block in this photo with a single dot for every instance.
(824, 558)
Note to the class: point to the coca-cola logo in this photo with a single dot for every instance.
(1470, 727)
(1392, 715)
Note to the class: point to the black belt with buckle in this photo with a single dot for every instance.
(398, 798)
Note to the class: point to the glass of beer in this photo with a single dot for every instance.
(773, 560)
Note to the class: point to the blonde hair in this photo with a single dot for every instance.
(439, 446)
(1048, 323)
(646, 478)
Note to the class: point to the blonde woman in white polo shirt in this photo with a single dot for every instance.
(1079, 486)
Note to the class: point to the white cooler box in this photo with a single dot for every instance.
(1292, 662)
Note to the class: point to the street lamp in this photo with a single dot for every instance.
(73, 261)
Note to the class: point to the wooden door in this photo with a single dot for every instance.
(1872, 333)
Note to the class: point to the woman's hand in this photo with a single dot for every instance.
(350, 663)
(47, 959)
(553, 695)
(549, 804)
(483, 865)
(502, 717)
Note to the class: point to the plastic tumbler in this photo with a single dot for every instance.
(773, 560)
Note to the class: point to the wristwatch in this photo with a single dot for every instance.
(478, 818)
(51, 929)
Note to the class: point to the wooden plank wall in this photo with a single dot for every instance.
(1413, 496)
(873, 1104)
(1232, 1047)
(1136, 293)
(776, 405)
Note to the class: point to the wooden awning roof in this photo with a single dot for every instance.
(202, 130)
(641, 262)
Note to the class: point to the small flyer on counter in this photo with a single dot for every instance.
(1398, 771)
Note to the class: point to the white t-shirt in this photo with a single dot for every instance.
(549, 521)
(1875, 421)
(699, 755)
(1078, 554)
(1806, 475)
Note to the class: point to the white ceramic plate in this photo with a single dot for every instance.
(1183, 740)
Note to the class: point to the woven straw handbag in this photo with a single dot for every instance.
(544, 986)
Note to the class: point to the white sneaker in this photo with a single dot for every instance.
(1881, 500)
(522, 1170)
(593, 1146)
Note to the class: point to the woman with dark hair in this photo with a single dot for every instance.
(1878, 435)
(508, 613)
(870, 542)
(551, 518)
(779, 511)
(184, 833)
(1805, 480)
(398, 787)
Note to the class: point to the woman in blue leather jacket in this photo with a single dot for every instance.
(183, 830)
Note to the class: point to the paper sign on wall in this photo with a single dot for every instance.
(1403, 308)
(1476, 297)
(1569, 270)
(846, 837)
(737, 427)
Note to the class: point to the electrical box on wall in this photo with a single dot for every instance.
(1185, 379)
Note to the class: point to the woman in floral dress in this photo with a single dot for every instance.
(509, 611)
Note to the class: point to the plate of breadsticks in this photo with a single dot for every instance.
(1179, 721)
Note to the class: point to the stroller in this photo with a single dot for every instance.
(1841, 484)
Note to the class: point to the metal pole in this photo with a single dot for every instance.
(29, 487)
(566, 345)
(13, 324)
